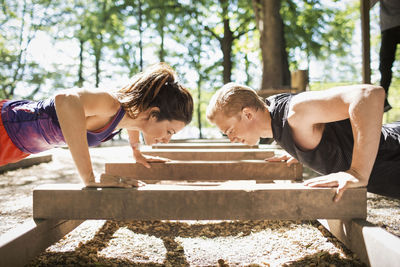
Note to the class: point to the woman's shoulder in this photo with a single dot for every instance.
(98, 100)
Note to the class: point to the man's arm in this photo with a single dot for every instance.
(363, 105)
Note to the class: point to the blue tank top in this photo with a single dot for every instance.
(335, 150)
(33, 125)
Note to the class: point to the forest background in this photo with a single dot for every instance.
(50, 45)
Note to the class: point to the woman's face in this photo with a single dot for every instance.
(160, 131)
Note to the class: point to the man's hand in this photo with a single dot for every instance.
(284, 157)
(341, 180)
(145, 159)
(107, 180)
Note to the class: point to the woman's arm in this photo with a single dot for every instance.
(73, 107)
(363, 105)
(134, 141)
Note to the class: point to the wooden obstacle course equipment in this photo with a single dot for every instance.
(29, 161)
(202, 145)
(20, 245)
(371, 243)
(208, 171)
(231, 200)
(227, 201)
(211, 154)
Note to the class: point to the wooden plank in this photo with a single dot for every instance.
(20, 245)
(208, 170)
(210, 154)
(27, 162)
(201, 141)
(202, 146)
(228, 201)
(374, 245)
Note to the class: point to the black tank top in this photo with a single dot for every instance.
(334, 152)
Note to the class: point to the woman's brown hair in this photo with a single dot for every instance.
(157, 87)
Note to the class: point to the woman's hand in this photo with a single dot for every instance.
(341, 180)
(284, 157)
(145, 159)
(107, 180)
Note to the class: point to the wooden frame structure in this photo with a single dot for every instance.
(58, 209)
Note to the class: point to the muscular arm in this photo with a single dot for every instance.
(362, 104)
(73, 108)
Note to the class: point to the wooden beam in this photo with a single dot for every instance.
(202, 146)
(20, 245)
(201, 141)
(374, 245)
(229, 201)
(27, 162)
(366, 50)
(208, 170)
(210, 154)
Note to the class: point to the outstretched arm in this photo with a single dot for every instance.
(73, 107)
(363, 105)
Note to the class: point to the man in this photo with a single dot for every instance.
(337, 132)
(390, 37)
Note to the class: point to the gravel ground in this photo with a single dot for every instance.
(178, 243)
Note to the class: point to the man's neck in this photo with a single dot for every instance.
(265, 119)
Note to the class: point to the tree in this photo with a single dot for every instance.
(272, 43)
(19, 24)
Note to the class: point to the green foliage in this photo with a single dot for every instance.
(316, 30)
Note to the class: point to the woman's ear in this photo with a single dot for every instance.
(154, 113)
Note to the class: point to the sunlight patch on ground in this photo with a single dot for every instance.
(135, 247)
(80, 235)
(263, 248)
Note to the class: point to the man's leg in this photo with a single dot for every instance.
(387, 55)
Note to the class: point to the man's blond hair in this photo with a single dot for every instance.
(231, 98)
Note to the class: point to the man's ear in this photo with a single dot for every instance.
(247, 113)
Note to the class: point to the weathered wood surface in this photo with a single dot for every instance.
(27, 162)
(374, 245)
(201, 141)
(208, 170)
(228, 201)
(202, 145)
(211, 154)
(20, 245)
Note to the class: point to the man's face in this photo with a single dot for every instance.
(240, 128)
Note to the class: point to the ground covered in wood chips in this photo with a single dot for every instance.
(177, 243)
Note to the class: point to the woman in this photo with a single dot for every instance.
(154, 104)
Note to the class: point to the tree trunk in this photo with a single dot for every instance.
(199, 81)
(226, 44)
(162, 34)
(80, 69)
(272, 43)
(140, 36)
